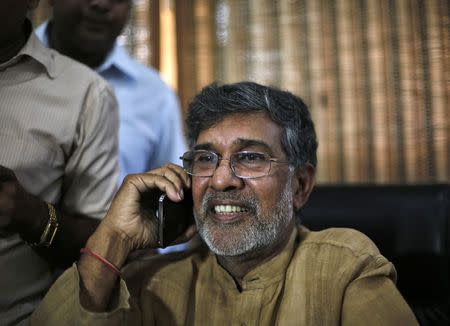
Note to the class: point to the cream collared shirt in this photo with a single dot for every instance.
(58, 132)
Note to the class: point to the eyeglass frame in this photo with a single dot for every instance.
(232, 163)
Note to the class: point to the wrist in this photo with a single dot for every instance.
(99, 267)
(101, 259)
(111, 244)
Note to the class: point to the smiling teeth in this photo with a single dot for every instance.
(228, 209)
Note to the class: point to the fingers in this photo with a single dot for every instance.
(176, 177)
(169, 178)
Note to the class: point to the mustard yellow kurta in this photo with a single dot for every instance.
(332, 277)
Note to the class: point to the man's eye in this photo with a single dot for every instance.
(251, 157)
(204, 158)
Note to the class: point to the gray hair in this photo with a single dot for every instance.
(215, 102)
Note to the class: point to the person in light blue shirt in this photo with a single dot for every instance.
(151, 132)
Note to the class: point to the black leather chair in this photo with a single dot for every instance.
(410, 224)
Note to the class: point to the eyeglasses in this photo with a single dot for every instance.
(245, 165)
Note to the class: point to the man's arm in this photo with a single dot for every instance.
(89, 183)
(90, 176)
(126, 227)
(86, 294)
(28, 215)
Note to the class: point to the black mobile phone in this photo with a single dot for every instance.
(174, 218)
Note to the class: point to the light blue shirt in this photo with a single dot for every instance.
(151, 131)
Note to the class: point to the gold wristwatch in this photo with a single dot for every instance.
(50, 229)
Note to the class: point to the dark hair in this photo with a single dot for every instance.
(215, 102)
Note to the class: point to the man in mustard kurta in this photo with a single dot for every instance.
(250, 169)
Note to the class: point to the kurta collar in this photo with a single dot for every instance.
(263, 275)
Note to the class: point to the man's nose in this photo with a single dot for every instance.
(224, 178)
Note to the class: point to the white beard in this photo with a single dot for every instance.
(262, 232)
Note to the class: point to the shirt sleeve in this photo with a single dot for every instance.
(92, 169)
(61, 306)
(373, 299)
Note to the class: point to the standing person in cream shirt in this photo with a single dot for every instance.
(58, 160)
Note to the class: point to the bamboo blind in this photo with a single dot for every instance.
(375, 73)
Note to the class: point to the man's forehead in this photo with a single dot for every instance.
(238, 143)
(239, 131)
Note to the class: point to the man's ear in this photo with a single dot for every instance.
(305, 181)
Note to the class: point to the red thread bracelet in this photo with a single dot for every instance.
(110, 265)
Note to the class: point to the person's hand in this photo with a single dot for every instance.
(127, 227)
(17, 206)
(126, 215)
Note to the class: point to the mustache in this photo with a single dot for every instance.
(248, 202)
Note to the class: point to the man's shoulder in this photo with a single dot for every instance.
(82, 80)
(322, 255)
(340, 239)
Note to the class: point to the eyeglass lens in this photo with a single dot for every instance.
(243, 164)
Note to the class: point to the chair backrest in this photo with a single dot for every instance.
(411, 227)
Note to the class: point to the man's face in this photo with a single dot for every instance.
(236, 216)
(90, 26)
